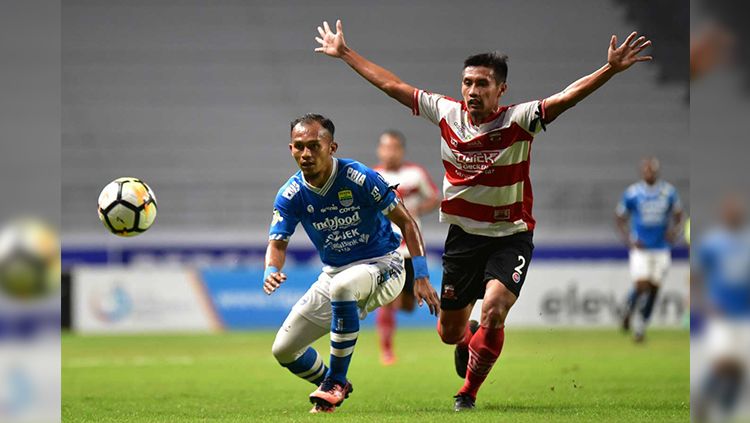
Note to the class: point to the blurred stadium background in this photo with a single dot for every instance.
(195, 98)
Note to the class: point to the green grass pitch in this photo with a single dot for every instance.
(543, 375)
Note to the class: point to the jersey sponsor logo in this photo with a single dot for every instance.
(290, 190)
(503, 214)
(355, 176)
(346, 198)
(338, 222)
(277, 218)
(326, 209)
(337, 236)
(376, 194)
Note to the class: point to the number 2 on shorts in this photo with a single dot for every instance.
(520, 266)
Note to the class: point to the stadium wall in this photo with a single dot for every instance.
(581, 286)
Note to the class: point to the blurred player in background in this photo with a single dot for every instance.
(487, 197)
(347, 210)
(420, 196)
(722, 292)
(653, 209)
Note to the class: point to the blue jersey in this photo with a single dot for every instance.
(725, 264)
(650, 208)
(345, 219)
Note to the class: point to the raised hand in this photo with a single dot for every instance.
(331, 44)
(624, 56)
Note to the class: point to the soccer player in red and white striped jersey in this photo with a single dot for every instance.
(420, 196)
(487, 193)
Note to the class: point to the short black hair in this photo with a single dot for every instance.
(313, 117)
(395, 134)
(496, 61)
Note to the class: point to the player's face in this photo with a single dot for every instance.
(650, 170)
(312, 147)
(390, 152)
(480, 91)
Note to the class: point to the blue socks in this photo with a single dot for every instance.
(344, 333)
(308, 366)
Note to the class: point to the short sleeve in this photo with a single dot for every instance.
(431, 106)
(625, 206)
(529, 116)
(383, 196)
(284, 219)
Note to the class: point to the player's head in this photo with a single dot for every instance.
(483, 82)
(650, 169)
(312, 143)
(732, 211)
(391, 148)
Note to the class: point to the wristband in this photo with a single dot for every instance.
(420, 267)
(269, 270)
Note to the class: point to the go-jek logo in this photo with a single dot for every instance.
(338, 222)
(111, 305)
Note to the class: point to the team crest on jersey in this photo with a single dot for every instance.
(346, 198)
(495, 136)
(310, 208)
(449, 292)
(516, 277)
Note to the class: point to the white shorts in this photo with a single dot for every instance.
(651, 265)
(379, 281)
(728, 339)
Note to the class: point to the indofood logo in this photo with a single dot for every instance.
(112, 304)
(338, 222)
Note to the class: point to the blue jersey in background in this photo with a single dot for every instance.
(345, 219)
(650, 208)
(724, 258)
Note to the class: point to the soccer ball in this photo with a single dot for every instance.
(127, 206)
(29, 260)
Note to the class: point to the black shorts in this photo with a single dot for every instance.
(409, 283)
(471, 260)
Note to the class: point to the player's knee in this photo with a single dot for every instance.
(282, 351)
(451, 334)
(493, 315)
(342, 290)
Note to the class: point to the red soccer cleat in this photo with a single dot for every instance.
(330, 395)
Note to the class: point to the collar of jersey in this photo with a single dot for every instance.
(650, 189)
(324, 190)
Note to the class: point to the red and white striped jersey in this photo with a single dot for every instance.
(414, 187)
(486, 188)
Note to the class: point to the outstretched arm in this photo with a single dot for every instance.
(333, 44)
(618, 59)
(423, 290)
(275, 258)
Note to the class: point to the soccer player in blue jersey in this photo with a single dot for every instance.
(655, 213)
(346, 209)
(722, 293)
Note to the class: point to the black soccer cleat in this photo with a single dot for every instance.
(461, 354)
(463, 403)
